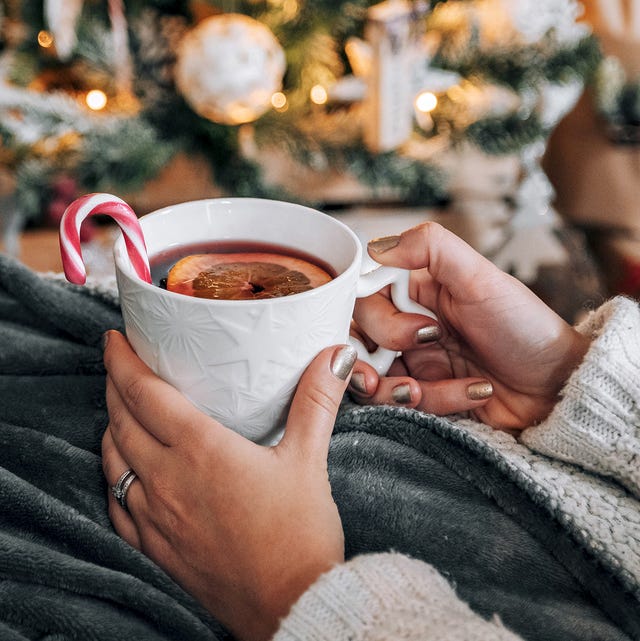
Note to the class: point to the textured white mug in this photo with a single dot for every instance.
(239, 361)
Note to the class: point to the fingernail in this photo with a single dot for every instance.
(105, 339)
(479, 391)
(343, 361)
(358, 382)
(401, 394)
(428, 334)
(381, 245)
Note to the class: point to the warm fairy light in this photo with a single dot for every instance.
(426, 102)
(45, 39)
(96, 99)
(289, 8)
(318, 95)
(279, 101)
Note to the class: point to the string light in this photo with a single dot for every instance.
(96, 99)
(279, 101)
(318, 95)
(289, 8)
(45, 39)
(426, 102)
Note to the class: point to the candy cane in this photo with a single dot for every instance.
(113, 207)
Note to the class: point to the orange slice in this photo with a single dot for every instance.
(244, 276)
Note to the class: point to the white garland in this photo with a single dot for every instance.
(533, 19)
(506, 23)
(45, 115)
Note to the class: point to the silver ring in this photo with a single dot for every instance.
(120, 489)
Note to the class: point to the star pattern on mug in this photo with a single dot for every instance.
(247, 361)
(225, 384)
(182, 334)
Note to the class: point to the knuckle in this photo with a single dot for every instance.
(161, 492)
(117, 417)
(320, 398)
(135, 392)
(430, 228)
(192, 452)
(158, 487)
(417, 241)
(124, 441)
(167, 508)
(397, 337)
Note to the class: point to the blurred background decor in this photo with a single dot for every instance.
(593, 159)
(446, 104)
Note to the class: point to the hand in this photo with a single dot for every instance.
(499, 352)
(244, 528)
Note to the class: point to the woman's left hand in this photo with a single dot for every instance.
(244, 528)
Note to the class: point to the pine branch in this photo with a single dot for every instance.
(32, 180)
(121, 156)
(105, 153)
(525, 67)
(334, 140)
(500, 136)
(112, 153)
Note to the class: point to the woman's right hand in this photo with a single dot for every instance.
(497, 350)
(244, 528)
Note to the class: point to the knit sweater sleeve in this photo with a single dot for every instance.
(596, 423)
(377, 597)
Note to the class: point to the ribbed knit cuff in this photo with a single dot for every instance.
(385, 596)
(596, 424)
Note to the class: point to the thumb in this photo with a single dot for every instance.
(448, 258)
(316, 402)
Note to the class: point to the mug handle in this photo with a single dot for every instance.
(374, 281)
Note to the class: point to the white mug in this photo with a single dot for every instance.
(239, 361)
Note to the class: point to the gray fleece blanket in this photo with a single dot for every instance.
(402, 480)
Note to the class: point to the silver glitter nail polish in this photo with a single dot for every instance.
(381, 245)
(428, 334)
(343, 361)
(401, 394)
(358, 383)
(479, 391)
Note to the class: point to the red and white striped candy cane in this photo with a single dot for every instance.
(103, 204)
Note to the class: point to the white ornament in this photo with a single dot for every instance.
(535, 18)
(62, 18)
(228, 68)
(532, 242)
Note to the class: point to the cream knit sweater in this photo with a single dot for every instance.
(596, 425)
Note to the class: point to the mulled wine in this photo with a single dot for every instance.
(238, 270)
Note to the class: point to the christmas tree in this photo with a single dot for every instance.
(99, 95)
